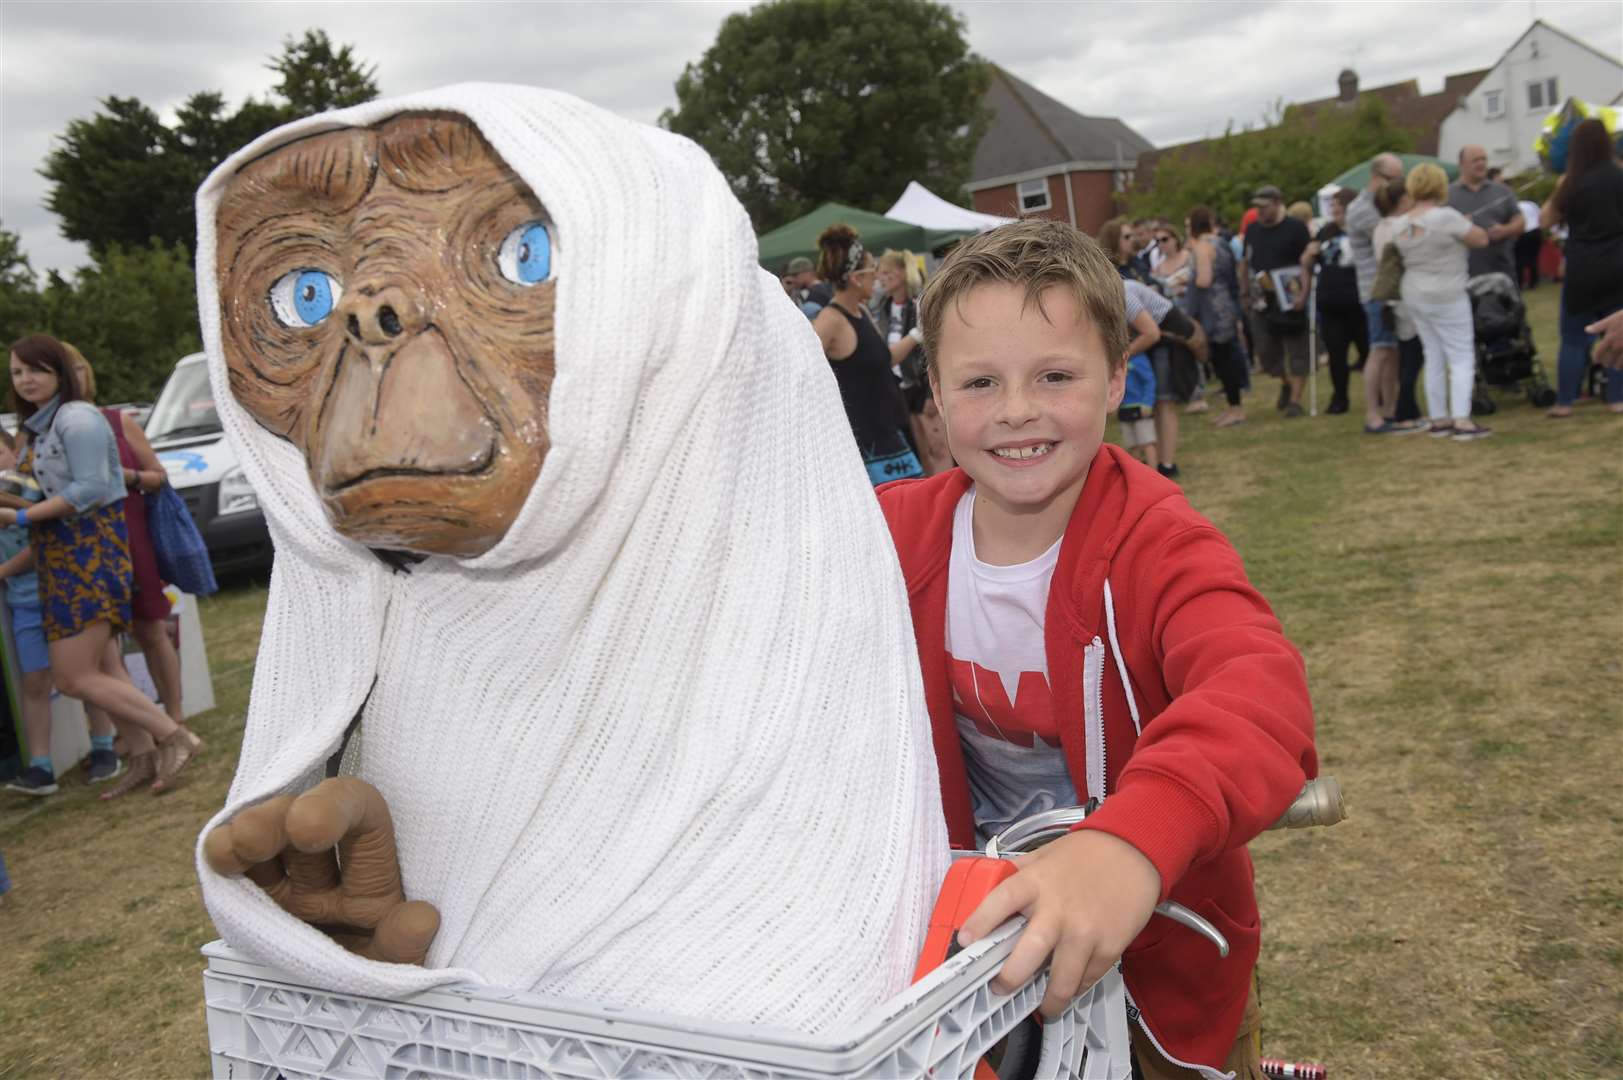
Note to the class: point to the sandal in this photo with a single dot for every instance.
(173, 754)
(142, 769)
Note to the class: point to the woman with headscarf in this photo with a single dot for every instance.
(861, 359)
(80, 544)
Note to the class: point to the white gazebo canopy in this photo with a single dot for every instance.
(922, 207)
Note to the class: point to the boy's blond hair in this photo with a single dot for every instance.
(1037, 255)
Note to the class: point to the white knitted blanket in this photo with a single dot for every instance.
(665, 745)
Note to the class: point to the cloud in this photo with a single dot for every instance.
(1173, 71)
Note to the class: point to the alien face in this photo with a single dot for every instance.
(386, 302)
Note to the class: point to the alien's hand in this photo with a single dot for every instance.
(328, 857)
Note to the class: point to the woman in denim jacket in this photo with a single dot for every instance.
(81, 549)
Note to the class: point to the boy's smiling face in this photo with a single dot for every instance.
(1024, 393)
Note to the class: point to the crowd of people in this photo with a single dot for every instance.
(80, 570)
(1381, 286)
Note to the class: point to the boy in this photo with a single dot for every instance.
(1085, 634)
(1137, 412)
(22, 597)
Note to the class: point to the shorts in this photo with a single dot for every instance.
(1244, 1061)
(1379, 336)
(1279, 353)
(28, 631)
(1136, 433)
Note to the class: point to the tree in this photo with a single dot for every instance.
(1296, 150)
(316, 79)
(21, 310)
(132, 314)
(122, 177)
(803, 101)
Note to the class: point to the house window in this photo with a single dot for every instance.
(1493, 104)
(1542, 94)
(1034, 195)
(1121, 181)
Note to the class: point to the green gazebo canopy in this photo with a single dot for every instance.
(799, 237)
(1357, 177)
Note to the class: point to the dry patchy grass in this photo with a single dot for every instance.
(1460, 608)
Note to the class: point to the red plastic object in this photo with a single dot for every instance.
(968, 882)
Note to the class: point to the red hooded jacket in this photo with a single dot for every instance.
(1210, 747)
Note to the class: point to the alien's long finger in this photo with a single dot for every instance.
(335, 809)
(271, 876)
(255, 835)
(312, 871)
(354, 812)
(404, 935)
(219, 853)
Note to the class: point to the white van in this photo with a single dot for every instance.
(184, 429)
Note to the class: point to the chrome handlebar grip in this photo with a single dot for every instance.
(1320, 803)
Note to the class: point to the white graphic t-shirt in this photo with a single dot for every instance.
(999, 672)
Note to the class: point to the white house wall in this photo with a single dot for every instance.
(1540, 55)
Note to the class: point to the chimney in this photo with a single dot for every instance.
(1348, 82)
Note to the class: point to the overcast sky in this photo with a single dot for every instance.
(1172, 71)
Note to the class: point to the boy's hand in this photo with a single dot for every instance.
(1085, 897)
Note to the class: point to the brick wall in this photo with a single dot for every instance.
(1092, 192)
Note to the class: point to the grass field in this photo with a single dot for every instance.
(1461, 611)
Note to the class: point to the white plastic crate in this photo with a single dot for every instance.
(261, 1026)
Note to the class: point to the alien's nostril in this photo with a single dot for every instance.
(388, 321)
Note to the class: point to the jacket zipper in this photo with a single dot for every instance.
(1137, 1016)
(1093, 715)
(1094, 655)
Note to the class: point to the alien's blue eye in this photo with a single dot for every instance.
(302, 298)
(525, 257)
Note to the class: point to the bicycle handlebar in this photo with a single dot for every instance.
(1319, 803)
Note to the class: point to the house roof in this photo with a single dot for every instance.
(1408, 107)
(1424, 113)
(1536, 23)
(1031, 131)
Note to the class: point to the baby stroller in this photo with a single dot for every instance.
(1506, 358)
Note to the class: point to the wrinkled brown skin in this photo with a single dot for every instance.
(328, 857)
(421, 433)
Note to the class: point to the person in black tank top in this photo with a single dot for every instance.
(860, 359)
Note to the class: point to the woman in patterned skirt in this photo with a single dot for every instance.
(80, 545)
(142, 472)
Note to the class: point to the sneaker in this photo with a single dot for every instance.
(1293, 410)
(1336, 407)
(1171, 472)
(34, 781)
(1475, 431)
(104, 765)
